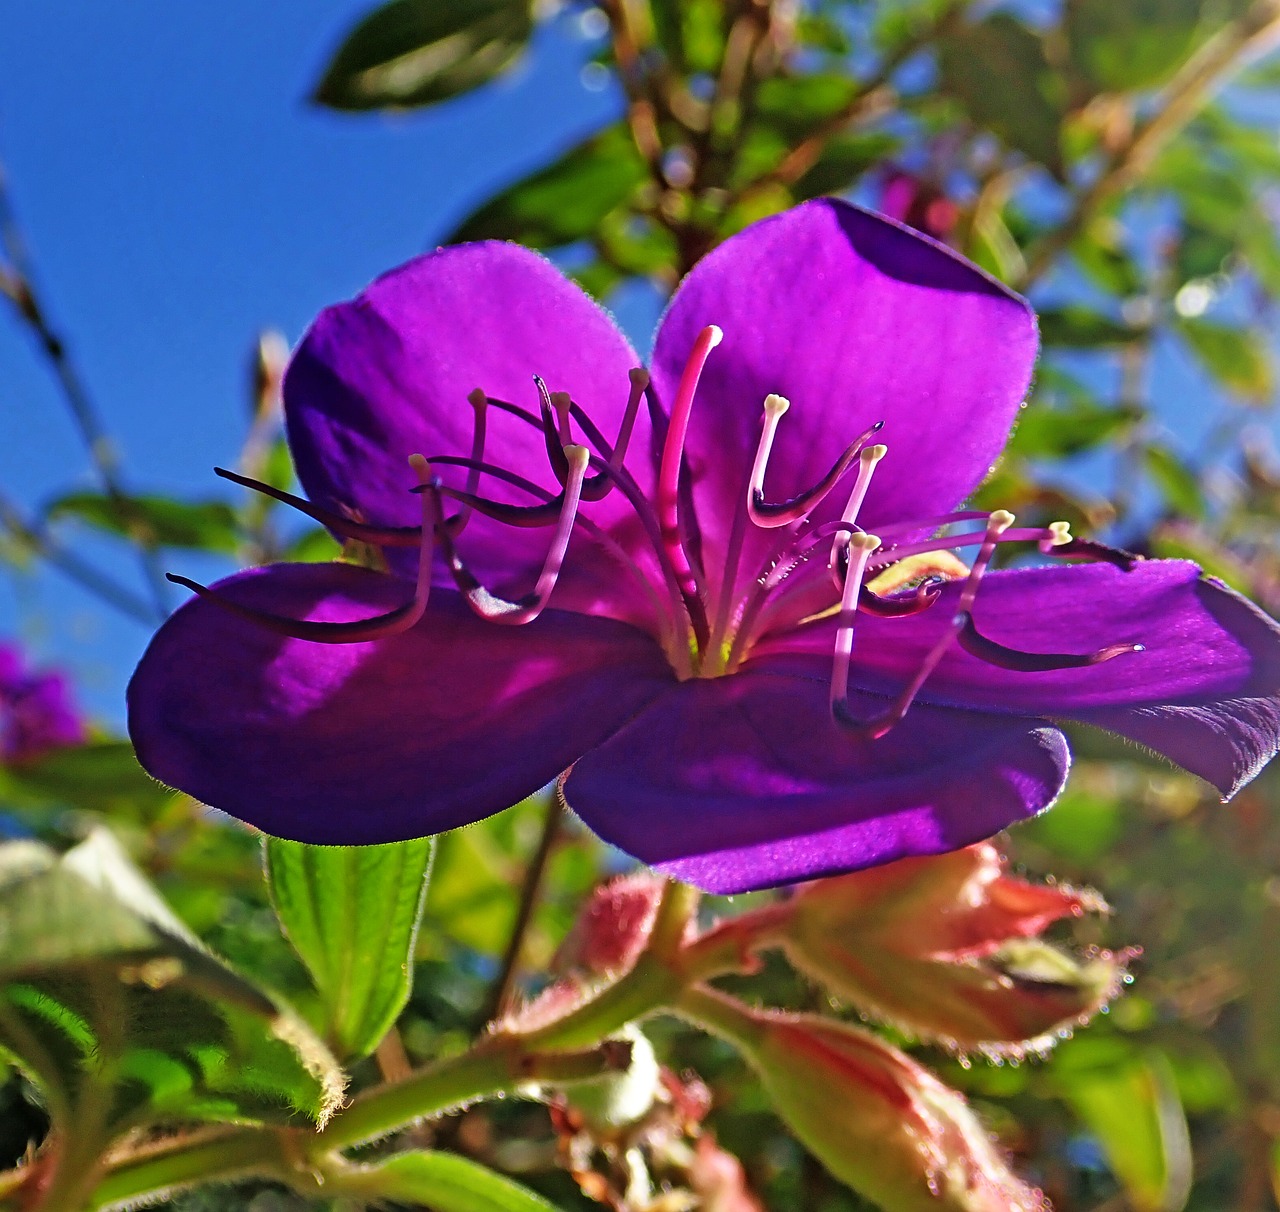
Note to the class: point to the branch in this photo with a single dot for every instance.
(1197, 81)
(16, 281)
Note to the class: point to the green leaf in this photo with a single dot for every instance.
(564, 202)
(418, 52)
(202, 525)
(1051, 433)
(120, 1014)
(1078, 327)
(444, 1182)
(1132, 45)
(1128, 1100)
(998, 71)
(1175, 480)
(351, 913)
(1236, 357)
(103, 776)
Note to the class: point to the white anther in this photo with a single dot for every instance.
(1059, 534)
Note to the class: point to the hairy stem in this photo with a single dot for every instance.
(500, 994)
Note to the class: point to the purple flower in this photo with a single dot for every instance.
(731, 625)
(37, 712)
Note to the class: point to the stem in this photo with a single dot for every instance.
(72, 566)
(1222, 57)
(17, 284)
(872, 95)
(212, 1156)
(500, 994)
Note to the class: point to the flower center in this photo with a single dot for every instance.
(706, 624)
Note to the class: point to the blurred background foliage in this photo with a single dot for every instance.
(1116, 161)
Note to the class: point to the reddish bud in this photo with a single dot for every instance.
(874, 1117)
(613, 927)
(946, 947)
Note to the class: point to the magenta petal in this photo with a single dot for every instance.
(855, 319)
(375, 742)
(745, 782)
(387, 375)
(1205, 690)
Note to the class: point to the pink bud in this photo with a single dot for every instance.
(947, 948)
(874, 1117)
(613, 927)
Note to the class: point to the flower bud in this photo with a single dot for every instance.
(613, 927)
(946, 948)
(874, 1117)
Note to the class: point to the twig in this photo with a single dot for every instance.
(872, 95)
(500, 993)
(17, 283)
(1207, 71)
(72, 566)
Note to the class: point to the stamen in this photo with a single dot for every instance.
(480, 404)
(867, 462)
(551, 432)
(668, 487)
(560, 403)
(870, 602)
(1044, 535)
(497, 610)
(362, 532)
(860, 548)
(768, 514)
(985, 649)
(525, 516)
(639, 378)
(998, 523)
(1091, 550)
(357, 631)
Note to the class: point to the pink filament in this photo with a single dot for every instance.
(668, 490)
(497, 610)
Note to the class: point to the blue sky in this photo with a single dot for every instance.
(179, 194)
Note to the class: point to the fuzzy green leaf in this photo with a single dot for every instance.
(352, 914)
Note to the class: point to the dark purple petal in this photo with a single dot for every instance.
(373, 742)
(855, 320)
(387, 375)
(746, 781)
(1205, 691)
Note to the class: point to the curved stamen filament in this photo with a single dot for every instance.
(1050, 537)
(552, 432)
(768, 514)
(860, 548)
(357, 631)
(885, 607)
(480, 405)
(497, 610)
(867, 462)
(976, 644)
(668, 489)
(999, 522)
(361, 532)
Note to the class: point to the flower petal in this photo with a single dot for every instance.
(855, 319)
(374, 742)
(1205, 690)
(746, 782)
(387, 375)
